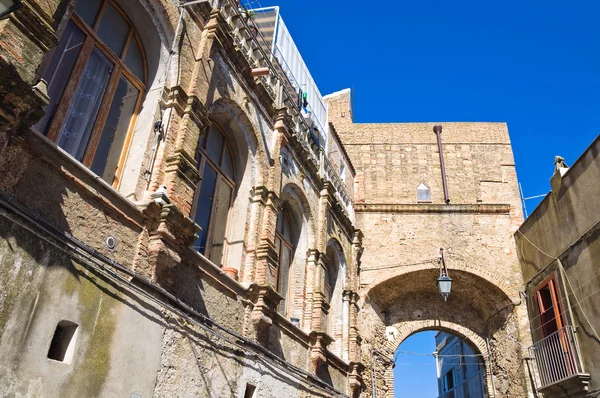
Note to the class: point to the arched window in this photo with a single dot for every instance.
(285, 243)
(330, 280)
(96, 80)
(214, 195)
(423, 193)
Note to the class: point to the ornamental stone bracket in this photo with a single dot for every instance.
(176, 97)
(355, 380)
(169, 233)
(20, 104)
(264, 301)
(318, 342)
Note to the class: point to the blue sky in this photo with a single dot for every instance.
(533, 64)
(415, 375)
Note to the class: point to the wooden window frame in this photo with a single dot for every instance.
(555, 295)
(91, 41)
(290, 246)
(221, 176)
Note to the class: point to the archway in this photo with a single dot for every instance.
(478, 312)
(437, 363)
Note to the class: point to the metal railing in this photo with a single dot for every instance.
(253, 49)
(282, 88)
(556, 357)
(470, 388)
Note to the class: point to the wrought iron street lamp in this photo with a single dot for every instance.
(444, 282)
(9, 6)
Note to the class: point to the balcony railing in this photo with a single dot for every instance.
(556, 357)
(470, 388)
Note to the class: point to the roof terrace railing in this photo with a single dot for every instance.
(283, 90)
(275, 82)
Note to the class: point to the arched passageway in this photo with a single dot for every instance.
(477, 312)
(437, 363)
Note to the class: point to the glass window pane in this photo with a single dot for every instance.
(227, 164)
(60, 68)
(214, 145)
(219, 221)
(113, 29)
(280, 218)
(423, 193)
(204, 206)
(277, 245)
(287, 232)
(134, 59)
(87, 10)
(115, 130)
(284, 273)
(77, 127)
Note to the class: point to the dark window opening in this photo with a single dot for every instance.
(250, 390)
(63, 342)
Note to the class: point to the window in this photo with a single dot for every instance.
(96, 80)
(423, 193)
(250, 391)
(343, 172)
(449, 380)
(62, 345)
(329, 282)
(214, 196)
(285, 246)
(546, 296)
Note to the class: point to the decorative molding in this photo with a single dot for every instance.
(432, 208)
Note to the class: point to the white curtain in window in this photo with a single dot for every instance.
(76, 129)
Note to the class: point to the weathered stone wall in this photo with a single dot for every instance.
(206, 81)
(564, 226)
(399, 264)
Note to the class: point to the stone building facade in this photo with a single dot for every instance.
(170, 228)
(404, 231)
(558, 248)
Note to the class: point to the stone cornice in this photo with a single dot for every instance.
(432, 208)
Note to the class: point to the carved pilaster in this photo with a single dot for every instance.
(354, 339)
(258, 202)
(320, 307)
(267, 261)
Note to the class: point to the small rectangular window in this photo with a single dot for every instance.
(423, 193)
(250, 390)
(62, 346)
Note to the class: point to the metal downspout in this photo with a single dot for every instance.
(437, 129)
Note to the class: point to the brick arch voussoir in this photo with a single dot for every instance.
(407, 329)
(511, 292)
(304, 205)
(253, 138)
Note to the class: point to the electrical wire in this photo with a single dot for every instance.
(92, 258)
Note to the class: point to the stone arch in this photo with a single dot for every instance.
(296, 204)
(493, 278)
(294, 194)
(250, 166)
(407, 329)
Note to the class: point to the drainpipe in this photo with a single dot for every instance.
(437, 129)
